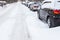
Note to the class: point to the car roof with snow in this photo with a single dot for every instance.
(2, 1)
(30, 2)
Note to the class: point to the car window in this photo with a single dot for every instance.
(47, 2)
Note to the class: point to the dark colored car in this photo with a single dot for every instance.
(50, 13)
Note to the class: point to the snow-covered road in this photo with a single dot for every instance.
(12, 23)
(17, 22)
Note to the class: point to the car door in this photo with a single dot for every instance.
(44, 11)
(43, 14)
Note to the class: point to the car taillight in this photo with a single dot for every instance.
(36, 6)
(56, 11)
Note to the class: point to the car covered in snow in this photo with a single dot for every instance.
(3, 3)
(25, 3)
(29, 4)
(50, 12)
(35, 6)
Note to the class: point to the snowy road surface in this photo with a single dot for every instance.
(12, 24)
(17, 22)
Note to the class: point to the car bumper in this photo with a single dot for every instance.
(55, 16)
(56, 19)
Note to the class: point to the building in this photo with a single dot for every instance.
(10, 1)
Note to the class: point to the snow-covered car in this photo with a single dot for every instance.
(34, 6)
(25, 3)
(3, 3)
(50, 12)
(29, 4)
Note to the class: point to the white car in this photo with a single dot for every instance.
(3, 3)
(30, 3)
(34, 6)
(50, 12)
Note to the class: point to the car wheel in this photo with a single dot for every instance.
(50, 22)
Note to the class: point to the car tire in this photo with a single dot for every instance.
(50, 22)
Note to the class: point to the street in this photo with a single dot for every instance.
(17, 22)
(12, 24)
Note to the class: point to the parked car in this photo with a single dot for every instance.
(50, 12)
(29, 4)
(35, 6)
(25, 3)
(3, 3)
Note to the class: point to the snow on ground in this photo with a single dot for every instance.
(39, 30)
(12, 23)
(17, 22)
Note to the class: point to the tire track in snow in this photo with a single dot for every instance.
(7, 13)
(20, 31)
